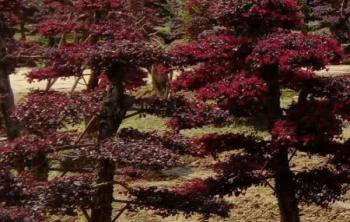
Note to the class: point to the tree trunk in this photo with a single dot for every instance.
(115, 107)
(93, 80)
(285, 186)
(23, 31)
(7, 101)
(270, 75)
(285, 190)
(7, 105)
(102, 211)
(160, 83)
(40, 167)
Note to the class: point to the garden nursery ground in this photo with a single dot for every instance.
(258, 205)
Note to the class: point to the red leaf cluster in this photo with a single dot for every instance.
(216, 143)
(294, 53)
(284, 134)
(16, 214)
(194, 187)
(211, 47)
(241, 95)
(67, 194)
(53, 27)
(314, 126)
(43, 112)
(96, 5)
(168, 203)
(321, 186)
(256, 17)
(184, 113)
(135, 150)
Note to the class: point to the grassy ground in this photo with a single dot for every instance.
(258, 204)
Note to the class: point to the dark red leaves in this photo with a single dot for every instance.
(168, 203)
(21, 53)
(67, 194)
(255, 17)
(27, 148)
(68, 60)
(136, 149)
(295, 52)
(217, 143)
(45, 73)
(320, 186)
(104, 54)
(203, 74)
(11, 189)
(23, 148)
(184, 113)
(53, 27)
(194, 187)
(96, 5)
(118, 29)
(17, 214)
(241, 171)
(335, 89)
(8, 5)
(212, 47)
(137, 153)
(44, 111)
(284, 134)
(10, 10)
(170, 141)
(241, 95)
(197, 114)
(331, 14)
(315, 125)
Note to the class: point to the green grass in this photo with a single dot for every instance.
(151, 123)
(288, 97)
(146, 124)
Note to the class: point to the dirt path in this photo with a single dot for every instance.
(21, 86)
(335, 70)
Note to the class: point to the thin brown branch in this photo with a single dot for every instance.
(269, 185)
(50, 83)
(73, 171)
(88, 126)
(84, 80)
(123, 201)
(75, 84)
(120, 212)
(76, 146)
(132, 115)
(124, 185)
(342, 6)
(29, 57)
(86, 215)
(292, 156)
(143, 94)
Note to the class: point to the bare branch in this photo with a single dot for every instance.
(88, 126)
(120, 212)
(133, 114)
(76, 146)
(86, 215)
